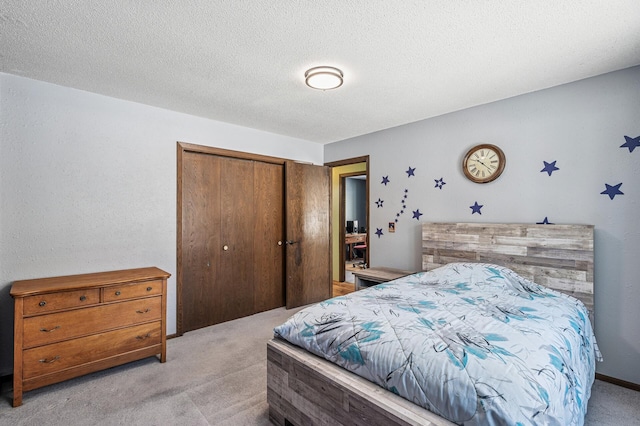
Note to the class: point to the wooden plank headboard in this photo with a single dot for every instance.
(556, 256)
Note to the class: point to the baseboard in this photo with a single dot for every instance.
(623, 383)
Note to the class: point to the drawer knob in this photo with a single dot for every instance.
(149, 288)
(118, 293)
(44, 330)
(146, 336)
(144, 312)
(83, 298)
(50, 360)
(42, 303)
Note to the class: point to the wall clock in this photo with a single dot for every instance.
(483, 163)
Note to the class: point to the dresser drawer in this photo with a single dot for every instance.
(49, 328)
(34, 305)
(132, 291)
(58, 356)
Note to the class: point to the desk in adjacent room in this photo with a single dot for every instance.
(351, 240)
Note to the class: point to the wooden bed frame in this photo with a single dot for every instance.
(303, 389)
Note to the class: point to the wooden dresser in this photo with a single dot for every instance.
(74, 325)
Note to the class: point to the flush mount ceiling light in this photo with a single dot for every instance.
(323, 78)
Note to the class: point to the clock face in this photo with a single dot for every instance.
(483, 163)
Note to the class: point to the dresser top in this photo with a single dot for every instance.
(44, 285)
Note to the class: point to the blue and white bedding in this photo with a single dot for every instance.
(474, 343)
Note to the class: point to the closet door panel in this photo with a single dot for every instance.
(235, 274)
(200, 239)
(268, 236)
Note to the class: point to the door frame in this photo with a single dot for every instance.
(183, 147)
(341, 208)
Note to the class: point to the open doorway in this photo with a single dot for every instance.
(346, 235)
(353, 208)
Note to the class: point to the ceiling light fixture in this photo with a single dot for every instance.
(323, 78)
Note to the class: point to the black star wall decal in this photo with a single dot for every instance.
(385, 180)
(549, 167)
(440, 183)
(379, 232)
(612, 190)
(417, 214)
(631, 143)
(411, 172)
(403, 203)
(476, 208)
(379, 202)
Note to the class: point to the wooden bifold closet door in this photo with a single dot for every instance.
(232, 233)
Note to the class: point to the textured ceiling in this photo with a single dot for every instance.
(243, 62)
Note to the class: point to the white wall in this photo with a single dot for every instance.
(579, 125)
(88, 184)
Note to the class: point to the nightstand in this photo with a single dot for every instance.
(372, 276)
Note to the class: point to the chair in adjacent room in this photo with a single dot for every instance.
(362, 248)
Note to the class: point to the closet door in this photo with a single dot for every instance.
(200, 240)
(268, 236)
(231, 256)
(234, 279)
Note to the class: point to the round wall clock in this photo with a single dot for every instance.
(483, 163)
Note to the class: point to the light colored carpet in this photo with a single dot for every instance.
(213, 376)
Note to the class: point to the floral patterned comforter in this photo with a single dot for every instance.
(474, 343)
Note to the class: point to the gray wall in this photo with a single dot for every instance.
(88, 184)
(581, 126)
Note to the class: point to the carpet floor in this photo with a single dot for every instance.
(213, 376)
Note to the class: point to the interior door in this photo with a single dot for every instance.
(308, 232)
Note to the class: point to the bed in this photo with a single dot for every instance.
(472, 340)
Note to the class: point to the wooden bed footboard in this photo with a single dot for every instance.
(303, 389)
